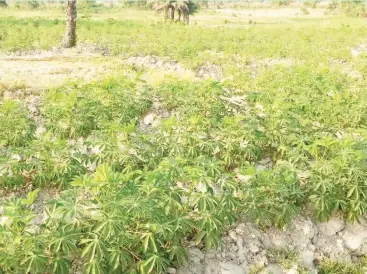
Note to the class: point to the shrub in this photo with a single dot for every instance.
(311, 3)
(34, 4)
(305, 11)
(354, 9)
(281, 3)
(3, 3)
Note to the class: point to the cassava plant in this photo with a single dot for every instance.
(118, 222)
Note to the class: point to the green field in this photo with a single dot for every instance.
(281, 131)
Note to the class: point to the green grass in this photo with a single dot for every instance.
(184, 43)
(329, 267)
(155, 189)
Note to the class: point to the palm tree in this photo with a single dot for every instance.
(70, 34)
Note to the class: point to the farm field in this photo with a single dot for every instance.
(236, 144)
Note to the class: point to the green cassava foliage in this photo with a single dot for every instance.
(131, 197)
(153, 189)
(116, 222)
(16, 125)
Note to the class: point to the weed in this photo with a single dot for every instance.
(329, 266)
(286, 258)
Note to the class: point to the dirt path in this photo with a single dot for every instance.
(44, 69)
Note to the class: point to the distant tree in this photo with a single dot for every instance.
(3, 3)
(34, 4)
(70, 34)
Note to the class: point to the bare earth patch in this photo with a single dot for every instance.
(254, 65)
(301, 245)
(166, 65)
(40, 72)
(358, 50)
(347, 69)
(43, 69)
(210, 71)
(154, 62)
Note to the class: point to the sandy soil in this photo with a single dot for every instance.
(44, 69)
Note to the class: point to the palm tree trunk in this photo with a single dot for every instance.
(70, 34)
